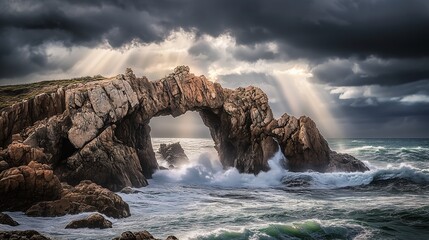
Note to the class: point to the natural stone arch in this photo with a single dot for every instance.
(106, 123)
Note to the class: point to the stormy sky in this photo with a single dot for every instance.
(358, 68)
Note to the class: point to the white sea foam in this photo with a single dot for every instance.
(207, 170)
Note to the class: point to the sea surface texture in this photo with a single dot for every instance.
(204, 201)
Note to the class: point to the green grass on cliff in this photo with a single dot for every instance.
(11, 94)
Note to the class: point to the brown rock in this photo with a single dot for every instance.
(18, 154)
(95, 220)
(3, 165)
(143, 235)
(104, 161)
(21, 187)
(99, 130)
(173, 154)
(85, 197)
(22, 235)
(7, 220)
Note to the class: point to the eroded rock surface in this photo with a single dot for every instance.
(173, 154)
(100, 130)
(85, 197)
(21, 187)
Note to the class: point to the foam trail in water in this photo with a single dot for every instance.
(207, 170)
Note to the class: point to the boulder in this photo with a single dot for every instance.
(95, 220)
(7, 220)
(3, 165)
(22, 235)
(21, 187)
(173, 154)
(340, 162)
(85, 197)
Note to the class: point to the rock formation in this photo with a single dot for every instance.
(7, 220)
(99, 130)
(21, 187)
(95, 220)
(85, 197)
(143, 235)
(22, 235)
(173, 154)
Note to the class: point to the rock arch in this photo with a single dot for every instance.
(105, 123)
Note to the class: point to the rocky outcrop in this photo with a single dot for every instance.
(21, 187)
(18, 153)
(173, 154)
(100, 129)
(7, 220)
(85, 197)
(95, 220)
(22, 235)
(105, 161)
(143, 235)
(17, 117)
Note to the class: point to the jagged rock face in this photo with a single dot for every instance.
(240, 130)
(302, 144)
(85, 197)
(103, 133)
(173, 154)
(21, 187)
(105, 161)
(15, 118)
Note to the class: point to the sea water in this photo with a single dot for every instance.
(204, 201)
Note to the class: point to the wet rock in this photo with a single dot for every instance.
(128, 190)
(85, 197)
(22, 235)
(173, 154)
(143, 235)
(341, 162)
(92, 221)
(21, 187)
(7, 220)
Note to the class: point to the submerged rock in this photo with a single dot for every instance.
(128, 190)
(22, 235)
(85, 197)
(173, 154)
(7, 220)
(92, 221)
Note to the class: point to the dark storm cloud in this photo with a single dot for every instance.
(352, 72)
(310, 29)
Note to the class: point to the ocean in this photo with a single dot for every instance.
(203, 201)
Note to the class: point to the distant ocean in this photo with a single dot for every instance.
(203, 201)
